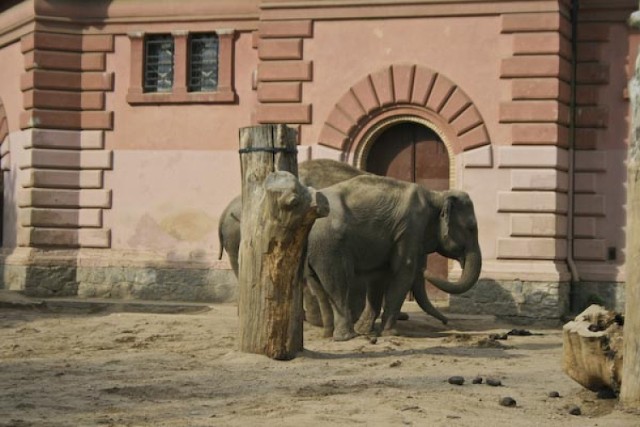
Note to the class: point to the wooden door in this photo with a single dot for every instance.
(412, 152)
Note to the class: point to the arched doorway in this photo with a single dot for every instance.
(412, 152)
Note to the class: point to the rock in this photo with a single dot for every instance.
(498, 336)
(574, 410)
(592, 349)
(477, 380)
(456, 380)
(519, 332)
(395, 364)
(507, 401)
(554, 394)
(493, 382)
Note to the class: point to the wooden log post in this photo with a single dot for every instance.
(630, 390)
(277, 215)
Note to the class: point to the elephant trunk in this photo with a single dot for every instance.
(471, 266)
(420, 294)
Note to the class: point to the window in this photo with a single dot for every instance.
(203, 63)
(181, 68)
(158, 67)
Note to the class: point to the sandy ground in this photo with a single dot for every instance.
(103, 365)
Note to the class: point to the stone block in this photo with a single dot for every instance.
(49, 178)
(280, 92)
(271, 49)
(534, 111)
(538, 225)
(532, 248)
(479, 157)
(64, 139)
(526, 302)
(533, 157)
(285, 71)
(539, 179)
(284, 29)
(532, 201)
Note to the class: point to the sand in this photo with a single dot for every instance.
(64, 364)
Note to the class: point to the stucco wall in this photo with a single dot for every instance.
(175, 167)
(10, 93)
(466, 50)
(11, 96)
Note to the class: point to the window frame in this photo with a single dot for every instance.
(201, 63)
(157, 39)
(180, 94)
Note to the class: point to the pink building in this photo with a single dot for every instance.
(119, 128)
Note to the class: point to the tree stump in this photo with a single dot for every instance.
(630, 393)
(592, 349)
(277, 215)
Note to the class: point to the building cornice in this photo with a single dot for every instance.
(380, 9)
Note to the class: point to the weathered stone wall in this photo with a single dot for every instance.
(518, 300)
(610, 295)
(148, 283)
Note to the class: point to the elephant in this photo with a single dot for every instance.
(320, 173)
(384, 228)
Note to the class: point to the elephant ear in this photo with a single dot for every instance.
(445, 215)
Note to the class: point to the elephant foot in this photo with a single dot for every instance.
(327, 332)
(344, 336)
(363, 329)
(403, 316)
(313, 317)
(391, 332)
(364, 326)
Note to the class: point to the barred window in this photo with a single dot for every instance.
(158, 67)
(203, 62)
(182, 68)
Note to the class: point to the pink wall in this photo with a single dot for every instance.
(175, 167)
(11, 68)
(441, 44)
(185, 127)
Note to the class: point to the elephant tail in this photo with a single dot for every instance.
(221, 243)
(420, 294)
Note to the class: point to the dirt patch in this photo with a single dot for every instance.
(112, 367)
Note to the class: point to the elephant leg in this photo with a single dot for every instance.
(335, 280)
(395, 295)
(371, 310)
(326, 312)
(312, 312)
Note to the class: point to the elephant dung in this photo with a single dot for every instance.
(592, 349)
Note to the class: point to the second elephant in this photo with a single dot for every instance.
(384, 227)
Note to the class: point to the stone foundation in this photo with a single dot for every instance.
(64, 274)
(93, 274)
(607, 294)
(516, 300)
(175, 284)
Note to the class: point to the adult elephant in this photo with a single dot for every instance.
(319, 174)
(384, 227)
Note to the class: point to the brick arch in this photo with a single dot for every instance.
(405, 87)
(4, 133)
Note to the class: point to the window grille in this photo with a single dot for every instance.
(203, 62)
(158, 69)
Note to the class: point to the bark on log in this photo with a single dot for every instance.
(592, 349)
(630, 393)
(277, 214)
